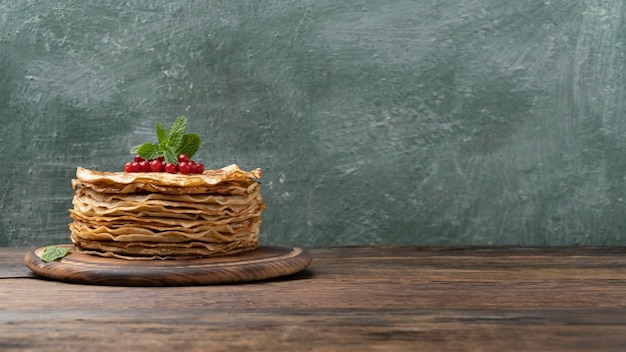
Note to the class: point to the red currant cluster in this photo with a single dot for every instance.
(184, 166)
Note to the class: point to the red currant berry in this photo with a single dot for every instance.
(183, 167)
(183, 157)
(128, 167)
(199, 168)
(192, 166)
(144, 166)
(156, 165)
(161, 159)
(134, 166)
(170, 168)
(138, 158)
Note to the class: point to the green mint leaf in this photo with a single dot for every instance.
(148, 151)
(170, 155)
(53, 253)
(189, 145)
(177, 131)
(170, 144)
(161, 134)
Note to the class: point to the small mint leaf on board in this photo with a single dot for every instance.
(190, 144)
(53, 253)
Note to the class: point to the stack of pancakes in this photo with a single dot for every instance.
(156, 215)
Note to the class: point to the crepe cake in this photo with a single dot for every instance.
(157, 215)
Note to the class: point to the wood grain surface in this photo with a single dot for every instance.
(263, 263)
(348, 299)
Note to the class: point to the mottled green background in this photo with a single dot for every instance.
(375, 122)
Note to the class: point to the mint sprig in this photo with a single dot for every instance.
(170, 144)
(53, 253)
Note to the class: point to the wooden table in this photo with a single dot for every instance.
(349, 299)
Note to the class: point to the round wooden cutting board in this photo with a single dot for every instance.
(263, 263)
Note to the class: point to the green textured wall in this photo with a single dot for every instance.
(397, 122)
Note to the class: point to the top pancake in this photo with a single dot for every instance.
(211, 181)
